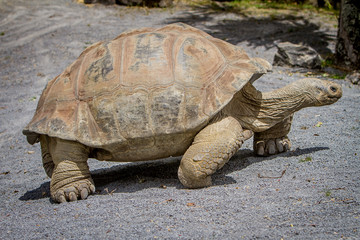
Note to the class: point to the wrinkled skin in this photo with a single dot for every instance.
(269, 115)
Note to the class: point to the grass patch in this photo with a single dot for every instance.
(269, 4)
(337, 76)
(334, 76)
(275, 9)
(330, 62)
(307, 159)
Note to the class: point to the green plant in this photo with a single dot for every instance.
(337, 76)
(328, 5)
(307, 159)
(274, 8)
(327, 62)
(328, 193)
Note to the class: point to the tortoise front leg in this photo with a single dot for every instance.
(212, 148)
(71, 178)
(274, 140)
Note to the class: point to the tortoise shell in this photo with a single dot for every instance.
(145, 84)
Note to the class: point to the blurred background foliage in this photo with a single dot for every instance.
(325, 6)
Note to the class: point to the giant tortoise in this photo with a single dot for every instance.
(154, 93)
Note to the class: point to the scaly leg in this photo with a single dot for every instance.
(48, 163)
(273, 140)
(212, 148)
(71, 178)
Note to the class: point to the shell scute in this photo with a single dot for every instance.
(166, 110)
(131, 112)
(147, 56)
(99, 113)
(230, 52)
(197, 61)
(96, 73)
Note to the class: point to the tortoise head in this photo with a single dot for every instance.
(322, 92)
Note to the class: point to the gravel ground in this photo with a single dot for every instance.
(311, 192)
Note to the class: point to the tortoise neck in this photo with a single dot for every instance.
(260, 111)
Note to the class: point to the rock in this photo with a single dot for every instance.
(166, 3)
(292, 55)
(353, 77)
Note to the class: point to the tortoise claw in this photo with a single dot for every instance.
(61, 199)
(272, 146)
(279, 145)
(74, 191)
(84, 194)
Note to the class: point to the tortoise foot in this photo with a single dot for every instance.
(266, 147)
(78, 190)
(190, 181)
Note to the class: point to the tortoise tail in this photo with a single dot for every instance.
(48, 163)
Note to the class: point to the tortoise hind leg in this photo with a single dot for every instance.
(71, 179)
(274, 140)
(48, 163)
(212, 148)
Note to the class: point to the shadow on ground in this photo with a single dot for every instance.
(41, 192)
(260, 31)
(134, 177)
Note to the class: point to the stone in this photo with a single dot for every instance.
(296, 55)
(353, 77)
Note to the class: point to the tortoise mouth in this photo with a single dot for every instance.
(331, 99)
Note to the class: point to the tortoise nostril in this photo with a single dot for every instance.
(333, 89)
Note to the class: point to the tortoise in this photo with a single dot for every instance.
(154, 93)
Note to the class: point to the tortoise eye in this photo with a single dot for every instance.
(333, 89)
